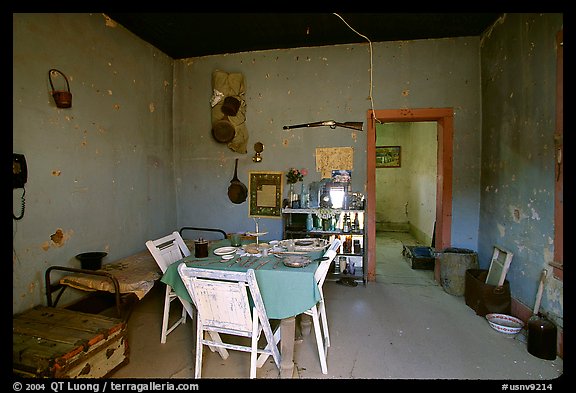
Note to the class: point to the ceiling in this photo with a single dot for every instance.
(183, 35)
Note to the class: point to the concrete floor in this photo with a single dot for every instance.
(404, 326)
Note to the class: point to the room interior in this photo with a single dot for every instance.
(134, 155)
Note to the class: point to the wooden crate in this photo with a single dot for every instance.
(59, 343)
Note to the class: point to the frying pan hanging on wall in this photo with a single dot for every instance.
(237, 191)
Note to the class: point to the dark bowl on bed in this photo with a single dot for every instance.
(91, 260)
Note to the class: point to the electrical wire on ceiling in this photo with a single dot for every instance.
(370, 44)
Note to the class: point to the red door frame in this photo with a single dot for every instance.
(444, 118)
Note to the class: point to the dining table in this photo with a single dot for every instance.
(287, 289)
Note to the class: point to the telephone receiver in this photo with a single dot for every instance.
(19, 178)
(20, 171)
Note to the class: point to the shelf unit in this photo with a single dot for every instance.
(294, 227)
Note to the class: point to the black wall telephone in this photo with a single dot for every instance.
(20, 171)
(19, 178)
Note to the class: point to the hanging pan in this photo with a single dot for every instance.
(237, 191)
(223, 130)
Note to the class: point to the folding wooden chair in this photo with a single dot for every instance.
(230, 302)
(166, 251)
(318, 311)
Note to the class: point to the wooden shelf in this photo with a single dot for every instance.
(294, 228)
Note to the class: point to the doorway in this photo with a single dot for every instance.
(444, 121)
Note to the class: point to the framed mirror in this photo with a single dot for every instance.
(265, 194)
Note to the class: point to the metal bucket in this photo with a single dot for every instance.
(453, 265)
(62, 98)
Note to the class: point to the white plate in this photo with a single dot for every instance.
(225, 250)
(256, 234)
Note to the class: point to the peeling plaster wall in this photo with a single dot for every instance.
(392, 184)
(420, 159)
(517, 187)
(294, 86)
(100, 174)
(406, 196)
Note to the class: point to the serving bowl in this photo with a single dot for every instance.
(504, 323)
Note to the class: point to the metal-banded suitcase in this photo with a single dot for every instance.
(59, 343)
(420, 257)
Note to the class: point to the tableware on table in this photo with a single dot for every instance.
(235, 239)
(251, 248)
(201, 248)
(303, 242)
(227, 257)
(264, 249)
(235, 261)
(279, 253)
(296, 261)
(224, 250)
(264, 262)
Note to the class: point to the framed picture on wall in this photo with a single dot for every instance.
(265, 194)
(388, 157)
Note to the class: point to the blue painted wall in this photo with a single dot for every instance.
(101, 173)
(294, 86)
(518, 125)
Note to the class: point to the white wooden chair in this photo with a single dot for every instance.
(224, 306)
(166, 251)
(318, 311)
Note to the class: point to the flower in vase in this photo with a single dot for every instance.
(294, 175)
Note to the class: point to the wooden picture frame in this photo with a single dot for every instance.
(265, 194)
(499, 266)
(388, 156)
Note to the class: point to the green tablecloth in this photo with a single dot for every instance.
(286, 291)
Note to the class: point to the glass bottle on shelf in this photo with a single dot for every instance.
(346, 223)
(290, 193)
(309, 222)
(326, 222)
(293, 197)
(304, 197)
(356, 226)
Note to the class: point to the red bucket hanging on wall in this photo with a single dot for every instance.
(63, 98)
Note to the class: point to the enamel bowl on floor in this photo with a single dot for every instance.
(504, 323)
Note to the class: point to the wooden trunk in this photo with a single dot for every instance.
(420, 257)
(53, 342)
